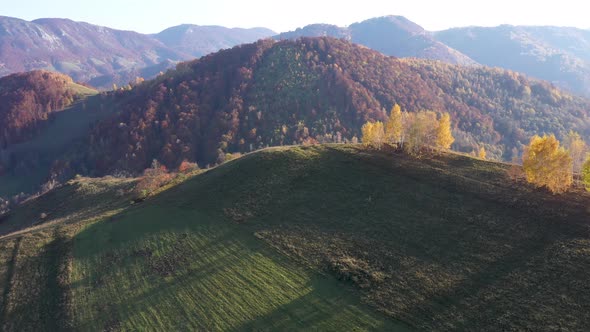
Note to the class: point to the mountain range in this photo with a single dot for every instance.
(103, 56)
(229, 192)
(390, 35)
(560, 55)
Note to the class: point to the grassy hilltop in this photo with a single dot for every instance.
(331, 237)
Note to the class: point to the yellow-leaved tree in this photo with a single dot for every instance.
(373, 134)
(412, 131)
(481, 153)
(444, 136)
(577, 149)
(394, 126)
(379, 134)
(546, 164)
(367, 133)
(586, 173)
(421, 131)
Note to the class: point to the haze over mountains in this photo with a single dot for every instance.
(201, 40)
(390, 35)
(560, 55)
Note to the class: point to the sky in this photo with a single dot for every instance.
(151, 16)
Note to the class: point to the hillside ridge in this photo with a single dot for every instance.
(429, 243)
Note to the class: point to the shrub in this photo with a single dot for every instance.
(153, 178)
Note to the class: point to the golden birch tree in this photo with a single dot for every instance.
(577, 149)
(481, 153)
(546, 164)
(367, 133)
(444, 136)
(394, 126)
(373, 134)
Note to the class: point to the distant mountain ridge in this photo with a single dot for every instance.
(560, 55)
(390, 35)
(198, 40)
(103, 55)
(78, 49)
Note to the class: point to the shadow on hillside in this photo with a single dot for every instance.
(479, 300)
(67, 204)
(486, 220)
(38, 297)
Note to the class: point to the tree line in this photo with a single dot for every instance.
(545, 162)
(411, 132)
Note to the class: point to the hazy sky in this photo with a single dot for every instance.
(149, 16)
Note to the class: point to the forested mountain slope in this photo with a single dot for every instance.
(319, 90)
(27, 101)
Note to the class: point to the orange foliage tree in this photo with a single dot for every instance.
(153, 178)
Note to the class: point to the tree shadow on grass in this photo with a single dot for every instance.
(44, 304)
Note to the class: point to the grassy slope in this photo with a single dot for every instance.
(163, 265)
(440, 243)
(82, 90)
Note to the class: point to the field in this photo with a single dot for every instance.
(331, 237)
